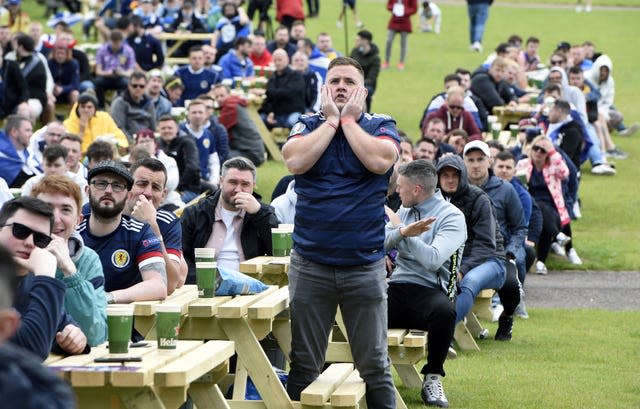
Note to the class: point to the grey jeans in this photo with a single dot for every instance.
(315, 291)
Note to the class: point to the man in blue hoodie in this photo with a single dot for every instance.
(17, 162)
(429, 234)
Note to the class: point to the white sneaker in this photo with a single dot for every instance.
(541, 268)
(587, 8)
(432, 391)
(451, 353)
(496, 311)
(339, 24)
(558, 249)
(573, 257)
(477, 47)
(562, 239)
(579, 8)
(603, 169)
(630, 130)
(577, 213)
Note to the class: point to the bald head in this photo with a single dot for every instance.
(280, 59)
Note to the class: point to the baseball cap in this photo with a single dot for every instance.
(478, 145)
(563, 45)
(110, 166)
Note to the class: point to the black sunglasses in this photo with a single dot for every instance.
(21, 232)
(137, 85)
(456, 106)
(538, 149)
(556, 62)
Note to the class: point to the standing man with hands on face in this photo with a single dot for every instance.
(147, 194)
(25, 230)
(342, 159)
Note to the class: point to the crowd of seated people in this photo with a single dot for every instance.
(117, 165)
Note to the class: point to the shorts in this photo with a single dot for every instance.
(350, 3)
(261, 6)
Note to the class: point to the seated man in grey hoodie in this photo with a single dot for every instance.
(429, 234)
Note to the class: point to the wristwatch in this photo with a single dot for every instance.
(110, 298)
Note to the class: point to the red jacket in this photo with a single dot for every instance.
(291, 8)
(261, 60)
(402, 23)
(450, 123)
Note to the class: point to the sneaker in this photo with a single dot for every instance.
(451, 353)
(630, 130)
(579, 8)
(477, 47)
(577, 213)
(617, 153)
(587, 9)
(400, 66)
(521, 311)
(541, 268)
(385, 65)
(339, 24)
(505, 325)
(562, 239)
(558, 249)
(573, 257)
(432, 391)
(359, 24)
(496, 311)
(603, 169)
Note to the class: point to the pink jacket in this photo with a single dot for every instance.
(554, 172)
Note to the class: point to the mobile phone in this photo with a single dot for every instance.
(108, 359)
(138, 344)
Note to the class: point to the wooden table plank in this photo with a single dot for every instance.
(239, 306)
(321, 389)
(207, 307)
(191, 365)
(350, 392)
(271, 305)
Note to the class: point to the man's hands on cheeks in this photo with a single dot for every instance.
(246, 201)
(71, 339)
(355, 105)
(40, 263)
(144, 210)
(60, 249)
(417, 228)
(329, 108)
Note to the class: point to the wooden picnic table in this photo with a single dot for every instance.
(160, 380)
(179, 38)
(507, 115)
(244, 319)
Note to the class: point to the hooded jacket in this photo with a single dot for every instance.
(131, 116)
(370, 63)
(607, 87)
(572, 94)
(431, 259)
(484, 240)
(285, 205)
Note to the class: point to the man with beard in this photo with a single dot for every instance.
(236, 62)
(131, 257)
(232, 220)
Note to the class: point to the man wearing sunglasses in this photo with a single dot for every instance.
(133, 110)
(134, 268)
(25, 230)
(455, 116)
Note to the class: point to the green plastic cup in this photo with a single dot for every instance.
(206, 279)
(495, 130)
(167, 325)
(257, 70)
(120, 325)
(280, 242)
(514, 130)
(207, 255)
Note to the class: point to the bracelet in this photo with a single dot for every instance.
(331, 124)
(346, 121)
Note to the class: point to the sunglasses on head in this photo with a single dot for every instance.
(538, 149)
(21, 232)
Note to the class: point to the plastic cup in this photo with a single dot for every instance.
(258, 70)
(120, 325)
(167, 325)
(280, 242)
(206, 279)
(523, 178)
(204, 254)
(514, 130)
(496, 127)
(492, 119)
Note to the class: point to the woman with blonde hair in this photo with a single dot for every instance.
(545, 169)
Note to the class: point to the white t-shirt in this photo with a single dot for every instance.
(228, 255)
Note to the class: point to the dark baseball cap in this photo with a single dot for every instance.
(110, 166)
(564, 46)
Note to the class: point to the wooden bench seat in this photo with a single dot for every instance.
(339, 385)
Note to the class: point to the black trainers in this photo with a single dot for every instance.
(505, 324)
(432, 391)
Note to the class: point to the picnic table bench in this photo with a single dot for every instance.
(160, 380)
